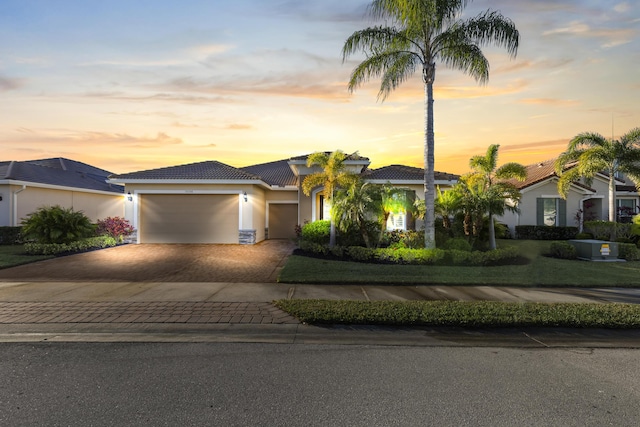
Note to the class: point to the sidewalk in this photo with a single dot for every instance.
(242, 312)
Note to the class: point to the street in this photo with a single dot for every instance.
(104, 384)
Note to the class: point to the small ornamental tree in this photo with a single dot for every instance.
(55, 224)
(115, 227)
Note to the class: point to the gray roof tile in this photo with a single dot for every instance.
(209, 170)
(405, 173)
(276, 173)
(60, 172)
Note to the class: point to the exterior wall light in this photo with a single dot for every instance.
(129, 196)
(244, 196)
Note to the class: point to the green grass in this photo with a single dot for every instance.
(13, 255)
(479, 314)
(541, 271)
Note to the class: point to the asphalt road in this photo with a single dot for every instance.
(116, 384)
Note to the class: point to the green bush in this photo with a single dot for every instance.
(316, 232)
(358, 253)
(584, 236)
(562, 250)
(10, 235)
(479, 314)
(506, 256)
(457, 243)
(601, 230)
(628, 251)
(91, 243)
(544, 232)
(55, 224)
(403, 239)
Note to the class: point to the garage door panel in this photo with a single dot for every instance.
(283, 219)
(190, 218)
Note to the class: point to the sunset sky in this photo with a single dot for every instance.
(127, 85)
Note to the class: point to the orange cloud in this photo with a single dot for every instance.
(554, 102)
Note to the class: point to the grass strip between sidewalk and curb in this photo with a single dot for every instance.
(480, 314)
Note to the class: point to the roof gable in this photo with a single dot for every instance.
(276, 173)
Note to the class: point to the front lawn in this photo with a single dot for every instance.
(13, 255)
(541, 271)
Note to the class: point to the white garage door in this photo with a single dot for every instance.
(188, 218)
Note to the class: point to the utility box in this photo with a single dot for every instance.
(596, 250)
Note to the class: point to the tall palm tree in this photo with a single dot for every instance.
(592, 153)
(494, 183)
(423, 32)
(333, 174)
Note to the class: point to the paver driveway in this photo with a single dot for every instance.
(162, 263)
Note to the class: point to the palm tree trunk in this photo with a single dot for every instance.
(429, 143)
(612, 203)
(492, 233)
(332, 233)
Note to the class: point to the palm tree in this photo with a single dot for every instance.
(592, 153)
(447, 204)
(334, 174)
(421, 33)
(497, 190)
(354, 205)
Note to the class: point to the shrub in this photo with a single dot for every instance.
(457, 243)
(91, 243)
(55, 224)
(10, 235)
(601, 230)
(358, 253)
(584, 236)
(544, 232)
(313, 248)
(115, 227)
(316, 232)
(628, 251)
(403, 239)
(562, 250)
(624, 232)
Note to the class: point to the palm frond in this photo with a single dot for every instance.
(491, 27)
(512, 170)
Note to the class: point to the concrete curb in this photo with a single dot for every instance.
(327, 335)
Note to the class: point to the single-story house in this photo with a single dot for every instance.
(27, 185)
(211, 202)
(541, 204)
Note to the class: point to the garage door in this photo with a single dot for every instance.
(190, 218)
(282, 221)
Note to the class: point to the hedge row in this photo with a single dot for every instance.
(544, 232)
(480, 314)
(507, 256)
(78, 246)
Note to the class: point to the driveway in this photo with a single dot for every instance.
(258, 263)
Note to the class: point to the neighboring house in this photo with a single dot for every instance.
(27, 185)
(211, 202)
(541, 203)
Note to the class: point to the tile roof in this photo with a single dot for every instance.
(209, 170)
(541, 171)
(276, 173)
(353, 156)
(58, 171)
(405, 173)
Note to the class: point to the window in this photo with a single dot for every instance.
(551, 211)
(397, 221)
(626, 209)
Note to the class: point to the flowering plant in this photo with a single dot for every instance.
(115, 227)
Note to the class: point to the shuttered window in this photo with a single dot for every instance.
(551, 211)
